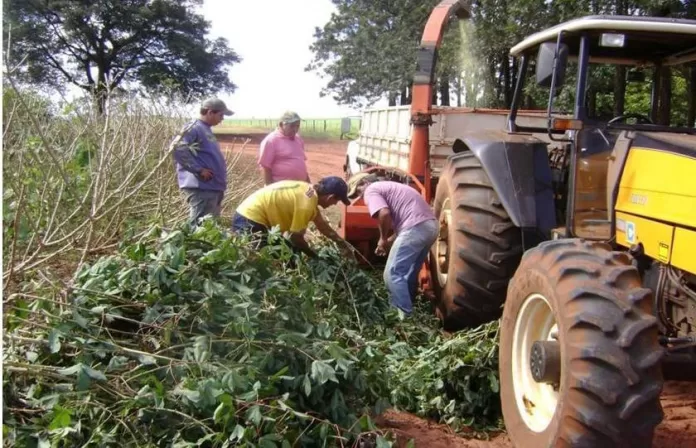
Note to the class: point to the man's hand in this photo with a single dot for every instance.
(298, 240)
(325, 229)
(382, 247)
(206, 174)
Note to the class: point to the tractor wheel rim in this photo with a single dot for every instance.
(442, 244)
(536, 402)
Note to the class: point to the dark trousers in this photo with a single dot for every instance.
(202, 202)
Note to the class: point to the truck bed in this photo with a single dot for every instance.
(385, 133)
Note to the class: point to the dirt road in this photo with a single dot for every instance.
(678, 430)
(324, 157)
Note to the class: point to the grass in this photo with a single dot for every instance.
(318, 128)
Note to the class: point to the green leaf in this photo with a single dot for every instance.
(411, 444)
(493, 380)
(268, 441)
(242, 289)
(83, 380)
(95, 374)
(366, 424)
(80, 320)
(238, 433)
(61, 418)
(208, 287)
(219, 413)
(22, 308)
(324, 330)
(206, 438)
(383, 443)
(307, 385)
(117, 363)
(70, 370)
(146, 360)
(323, 431)
(54, 341)
(323, 372)
(254, 415)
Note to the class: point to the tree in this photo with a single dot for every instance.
(368, 49)
(103, 45)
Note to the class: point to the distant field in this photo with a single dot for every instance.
(329, 128)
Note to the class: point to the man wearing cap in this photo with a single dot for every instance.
(407, 224)
(292, 205)
(282, 152)
(200, 166)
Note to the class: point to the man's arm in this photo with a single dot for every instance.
(385, 223)
(265, 161)
(325, 229)
(267, 176)
(297, 239)
(385, 228)
(185, 150)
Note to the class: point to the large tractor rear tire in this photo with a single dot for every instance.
(579, 352)
(477, 250)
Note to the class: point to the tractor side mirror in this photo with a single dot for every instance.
(545, 64)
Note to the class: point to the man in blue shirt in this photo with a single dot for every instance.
(200, 166)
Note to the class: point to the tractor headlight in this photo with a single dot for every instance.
(612, 40)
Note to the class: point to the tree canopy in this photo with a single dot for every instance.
(367, 50)
(103, 45)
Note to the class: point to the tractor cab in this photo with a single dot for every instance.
(597, 318)
(611, 83)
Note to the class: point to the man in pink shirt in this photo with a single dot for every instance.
(282, 153)
(407, 224)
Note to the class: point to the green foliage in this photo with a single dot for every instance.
(368, 48)
(102, 45)
(454, 379)
(191, 338)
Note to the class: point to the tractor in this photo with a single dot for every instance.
(573, 227)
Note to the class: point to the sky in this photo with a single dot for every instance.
(273, 37)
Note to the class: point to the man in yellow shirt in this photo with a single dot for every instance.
(292, 205)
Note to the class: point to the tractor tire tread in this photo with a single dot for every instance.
(484, 245)
(611, 341)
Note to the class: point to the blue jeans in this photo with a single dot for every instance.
(406, 256)
(242, 224)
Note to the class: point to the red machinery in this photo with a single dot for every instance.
(357, 226)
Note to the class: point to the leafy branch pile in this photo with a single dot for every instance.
(191, 338)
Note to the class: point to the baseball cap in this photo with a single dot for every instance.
(290, 117)
(336, 186)
(217, 105)
(357, 180)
